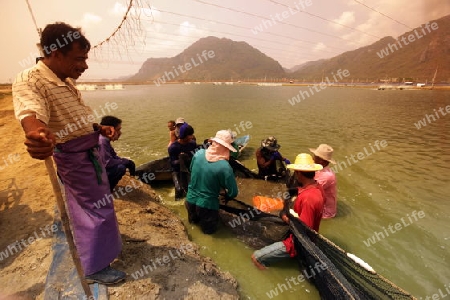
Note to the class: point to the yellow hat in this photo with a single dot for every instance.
(304, 162)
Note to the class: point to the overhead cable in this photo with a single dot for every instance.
(325, 19)
(373, 9)
(265, 18)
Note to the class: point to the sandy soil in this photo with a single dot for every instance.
(152, 235)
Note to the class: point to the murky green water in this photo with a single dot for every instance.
(380, 183)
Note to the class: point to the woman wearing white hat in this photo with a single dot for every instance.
(308, 206)
(210, 173)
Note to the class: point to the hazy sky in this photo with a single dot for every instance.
(165, 28)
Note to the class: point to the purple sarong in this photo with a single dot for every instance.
(95, 227)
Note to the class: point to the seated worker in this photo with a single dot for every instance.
(308, 206)
(326, 178)
(180, 153)
(115, 165)
(210, 174)
(172, 137)
(269, 160)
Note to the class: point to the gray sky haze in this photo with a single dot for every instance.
(291, 32)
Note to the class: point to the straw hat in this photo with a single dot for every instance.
(224, 138)
(304, 162)
(325, 152)
(270, 143)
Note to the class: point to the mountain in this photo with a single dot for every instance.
(211, 59)
(413, 56)
(303, 65)
(392, 59)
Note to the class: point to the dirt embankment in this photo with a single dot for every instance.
(157, 255)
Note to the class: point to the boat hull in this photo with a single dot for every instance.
(156, 170)
(161, 170)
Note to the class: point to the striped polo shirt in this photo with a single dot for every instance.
(39, 92)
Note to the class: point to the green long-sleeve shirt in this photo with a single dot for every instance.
(207, 179)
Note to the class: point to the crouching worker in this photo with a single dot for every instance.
(210, 173)
(308, 206)
(115, 165)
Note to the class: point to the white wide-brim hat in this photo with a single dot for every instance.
(224, 138)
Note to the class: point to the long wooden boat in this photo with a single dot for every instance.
(156, 170)
(160, 169)
(242, 143)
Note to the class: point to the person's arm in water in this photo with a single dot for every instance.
(282, 158)
(229, 183)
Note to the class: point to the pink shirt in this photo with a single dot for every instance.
(327, 179)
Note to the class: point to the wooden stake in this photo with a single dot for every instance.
(66, 225)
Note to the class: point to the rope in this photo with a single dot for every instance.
(34, 19)
(118, 27)
(325, 19)
(371, 8)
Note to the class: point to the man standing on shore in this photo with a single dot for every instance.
(46, 101)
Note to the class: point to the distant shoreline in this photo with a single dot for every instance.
(6, 88)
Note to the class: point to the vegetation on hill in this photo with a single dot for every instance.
(211, 59)
(389, 59)
(386, 60)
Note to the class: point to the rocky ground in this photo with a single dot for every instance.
(160, 260)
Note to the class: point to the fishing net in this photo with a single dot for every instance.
(254, 227)
(240, 170)
(344, 278)
(338, 277)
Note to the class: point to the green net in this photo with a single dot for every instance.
(254, 227)
(367, 284)
(338, 277)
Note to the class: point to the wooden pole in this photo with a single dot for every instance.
(66, 225)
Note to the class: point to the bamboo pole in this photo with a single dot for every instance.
(66, 225)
